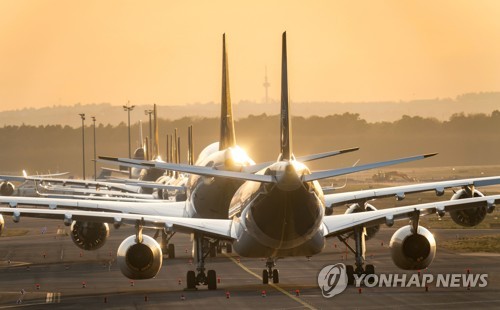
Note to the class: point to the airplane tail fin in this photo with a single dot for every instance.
(175, 160)
(178, 150)
(156, 143)
(227, 135)
(190, 146)
(286, 124)
(141, 138)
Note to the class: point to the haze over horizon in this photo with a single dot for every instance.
(169, 53)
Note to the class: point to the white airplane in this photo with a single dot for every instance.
(7, 188)
(141, 188)
(277, 212)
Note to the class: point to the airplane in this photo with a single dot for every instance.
(224, 155)
(142, 187)
(7, 188)
(279, 211)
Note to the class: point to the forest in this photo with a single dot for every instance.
(462, 140)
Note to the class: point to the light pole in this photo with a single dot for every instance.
(129, 108)
(149, 112)
(82, 115)
(95, 163)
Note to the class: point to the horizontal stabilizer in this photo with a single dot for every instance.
(336, 172)
(302, 159)
(198, 170)
(324, 155)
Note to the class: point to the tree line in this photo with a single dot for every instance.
(462, 140)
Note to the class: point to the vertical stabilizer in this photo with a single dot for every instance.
(167, 151)
(156, 142)
(141, 138)
(174, 149)
(286, 124)
(190, 146)
(178, 150)
(227, 135)
(171, 154)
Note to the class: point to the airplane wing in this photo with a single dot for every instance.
(147, 184)
(105, 198)
(85, 183)
(332, 200)
(90, 191)
(224, 229)
(173, 209)
(338, 224)
(130, 186)
(25, 177)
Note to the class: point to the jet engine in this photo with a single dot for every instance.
(411, 251)
(139, 260)
(7, 189)
(89, 235)
(471, 216)
(355, 208)
(2, 224)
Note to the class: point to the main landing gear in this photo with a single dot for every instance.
(359, 254)
(270, 272)
(167, 248)
(200, 277)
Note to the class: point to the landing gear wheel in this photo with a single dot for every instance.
(265, 277)
(350, 274)
(370, 269)
(276, 276)
(229, 248)
(212, 280)
(191, 279)
(171, 250)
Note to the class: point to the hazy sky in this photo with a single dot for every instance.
(169, 52)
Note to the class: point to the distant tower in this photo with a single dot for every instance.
(266, 86)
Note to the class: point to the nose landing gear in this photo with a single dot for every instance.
(270, 272)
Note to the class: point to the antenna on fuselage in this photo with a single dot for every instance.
(227, 135)
(286, 124)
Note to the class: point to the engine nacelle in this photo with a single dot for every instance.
(412, 251)
(7, 189)
(355, 208)
(139, 260)
(2, 224)
(89, 235)
(471, 216)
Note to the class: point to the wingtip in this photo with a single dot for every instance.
(349, 150)
(108, 158)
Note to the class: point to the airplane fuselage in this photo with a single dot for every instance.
(209, 197)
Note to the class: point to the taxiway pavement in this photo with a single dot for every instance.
(61, 270)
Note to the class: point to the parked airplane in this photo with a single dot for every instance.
(207, 199)
(277, 212)
(7, 188)
(143, 186)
